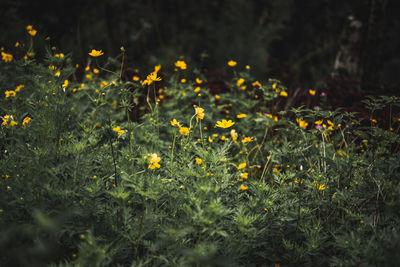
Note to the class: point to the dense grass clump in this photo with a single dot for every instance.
(158, 170)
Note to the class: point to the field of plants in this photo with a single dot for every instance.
(158, 170)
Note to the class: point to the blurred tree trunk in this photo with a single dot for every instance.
(372, 53)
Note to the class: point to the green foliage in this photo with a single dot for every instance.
(83, 184)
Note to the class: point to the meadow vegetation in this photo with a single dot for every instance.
(237, 178)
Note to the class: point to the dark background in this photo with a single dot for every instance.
(295, 41)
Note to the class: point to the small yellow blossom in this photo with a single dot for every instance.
(199, 113)
(31, 30)
(319, 122)
(8, 120)
(321, 187)
(242, 166)
(243, 87)
(183, 80)
(302, 124)
(247, 140)
(244, 175)
(57, 74)
(184, 131)
(210, 140)
(198, 81)
(65, 84)
(217, 96)
(373, 120)
(16, 44)
(243, 188)
(96, 53)
(311, 92)
(284, 94)
(241, 115)
(26, 121)
(232, 63)
(19, 87)
(224, 124)
(256, 83)
(154, 161)
(9, 93)
(61, 55)
(198, 161)
(122, 48)
(247, 67)
(174, 122)
(240, 82)
(6, 57)
(96, 71)
(234, 135)
(135, 78)
(197, 89)
(181, 64)
(118, 130)
(152, 77)
(103, 83)
(223, 138)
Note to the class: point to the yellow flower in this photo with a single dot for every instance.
(217, 96)
(198, 81)
(234, 135)
(223, 138)
(241, 115)
(240, 82)
(242, 166)
(135, 78)
(154, 161)
(311, 92)
(9, 120)
(198, 161)
(302, 124)
(199, 113)
(57, 74)
(61, 55)
(174, 122)
(224, 124)
(321, 187)
(232, 63)
(184, 131)
(152, 77)
(247, 67)
(373, 120)
(181, 64)
(183, 80)
(122, 48)
(243, 188)
(96, 53)
(26, 121)
(96, 71)
(103, 83)
(244, 175)
(19, 87)
(118, 130)
(65, 84)
(284, 94)
(6, 57)
(210, 140)
(16, 44)
(256, 83)
(197, 89)
(31, 30)
(243, 87)
(274, 86)
(9, 93)
(319, 122)
(247, 140)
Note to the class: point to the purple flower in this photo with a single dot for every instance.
(318, 127)
(316, 107)
(323, 94)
